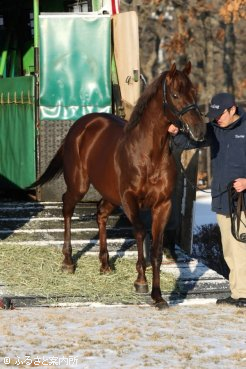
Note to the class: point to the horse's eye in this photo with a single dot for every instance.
(175, 96)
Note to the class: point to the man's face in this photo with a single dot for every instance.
(227, 117)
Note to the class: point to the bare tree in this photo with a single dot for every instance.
(211, 35)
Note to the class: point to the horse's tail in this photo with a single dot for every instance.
(54, 169)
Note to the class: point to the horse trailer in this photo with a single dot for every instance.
(59, 61)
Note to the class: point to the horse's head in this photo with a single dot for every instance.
(180, 103)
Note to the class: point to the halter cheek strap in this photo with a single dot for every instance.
(178, 122)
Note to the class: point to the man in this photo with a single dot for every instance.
(226, 135)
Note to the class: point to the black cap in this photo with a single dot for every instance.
(219, 104)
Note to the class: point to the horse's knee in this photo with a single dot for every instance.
(139, 233)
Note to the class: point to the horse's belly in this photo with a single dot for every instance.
(100, 163)
(106, 183)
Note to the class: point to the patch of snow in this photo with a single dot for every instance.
(131, 337)
(202, 209)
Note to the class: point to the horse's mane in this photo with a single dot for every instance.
(143, 101)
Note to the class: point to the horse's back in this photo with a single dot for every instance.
(94, 123)
(90, 147)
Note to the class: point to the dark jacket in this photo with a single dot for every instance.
(228, 157)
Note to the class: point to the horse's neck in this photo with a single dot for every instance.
(152, 134)
(150, 146)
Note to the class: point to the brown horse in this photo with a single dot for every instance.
(129, 164)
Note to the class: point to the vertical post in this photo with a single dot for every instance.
(36, 72)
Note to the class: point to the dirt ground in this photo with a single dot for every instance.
(192, 335)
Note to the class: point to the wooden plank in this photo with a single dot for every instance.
(126, 51)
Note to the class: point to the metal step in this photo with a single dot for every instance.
(42, 224)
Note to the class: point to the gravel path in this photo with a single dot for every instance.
(192, 335)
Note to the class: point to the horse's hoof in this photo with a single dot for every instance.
(68, 268)
(141, 288)
(105, 270)
(161, 305)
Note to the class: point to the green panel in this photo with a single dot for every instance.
(74, 65)
(28, 60)
(17, 132)
(97, 5)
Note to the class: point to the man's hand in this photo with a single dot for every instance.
(240, 184)
(173, 130)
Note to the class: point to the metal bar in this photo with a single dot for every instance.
(36, 72)
(13, 59)
(4, 55)
(36, 23)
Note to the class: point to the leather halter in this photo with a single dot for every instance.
(178, 121)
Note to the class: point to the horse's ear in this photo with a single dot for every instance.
(171, 73)
(187, 68)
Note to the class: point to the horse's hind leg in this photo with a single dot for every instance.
(70, 199)
(132, 211)
(104, 209)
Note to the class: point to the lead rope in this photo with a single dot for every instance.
(236, 204)
(179, 164)
(236, 207)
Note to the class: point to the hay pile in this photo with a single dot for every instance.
(36, 271)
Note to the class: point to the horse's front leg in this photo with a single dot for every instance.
(160, 217)
(140, 284)
(68, 209)
(104, 209)
(131, 209)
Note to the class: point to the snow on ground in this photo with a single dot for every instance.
(202, 209)
(129, 337)
(198, 335)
